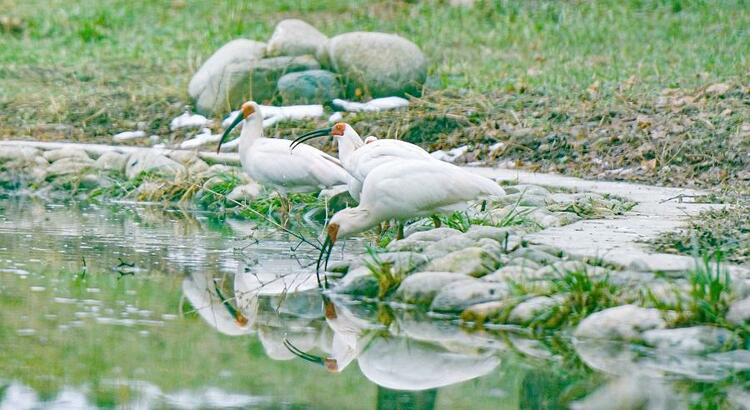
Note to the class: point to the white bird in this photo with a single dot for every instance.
(271, 162)
(408, 189)
(370, 138)
(358, 158)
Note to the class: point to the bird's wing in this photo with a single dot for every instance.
(305, 167)
(370, 156)
(417, 188)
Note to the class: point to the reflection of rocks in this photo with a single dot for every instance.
(695, 340)
(633, 392)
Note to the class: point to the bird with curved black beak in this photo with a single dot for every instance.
(271, 162)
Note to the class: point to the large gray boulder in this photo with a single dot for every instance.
(626, 322)
(111, 161)
(421, 288)
(294, 37)
(154, 162)
(222, 81)
(460, 295)
(265, 73)
(376, 64)
(308, 87)
(472, 261)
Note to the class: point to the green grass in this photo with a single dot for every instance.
(103, 66)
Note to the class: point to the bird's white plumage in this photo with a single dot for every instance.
(413, 188)
(358, 159)
(271, 162)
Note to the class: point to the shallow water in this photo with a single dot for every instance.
(135, 306)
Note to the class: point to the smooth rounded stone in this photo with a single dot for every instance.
(358, 282)
(694, 340)
(267, 72)
(526, 189)
(376, 64)
(68, 166)
(184, 157)
(552, 250)
(670, 293)
(337, 198)
(460, 295)
(477, 232)
(566, 218)
(244, 193)
(534, 255)
(293, 37)
(111, 161)
(154, 162)
(434, 235)
(341, 266)
(494, 248)
(221, 81)
(149, 191)
(559, 269)
(520, 201)
(448, 245)
(511, 273)
(569, 199)
(472, 261)
(630, 278)
(421, 287)
(545, 219)
(67, 152)
(633, 392)
(625, 322)
(217, 170)
(197, 167)
(309, 87)
(401, 262)
(739, 312)
(11, 153)
(92, 181)
(524, 263)
(487, 311)
(408, 245)
(530, 309)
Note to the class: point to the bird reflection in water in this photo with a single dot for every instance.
(292, 319)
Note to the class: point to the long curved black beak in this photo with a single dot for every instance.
(310, 135)
(325, 250)
(303, 355)
(229, 129)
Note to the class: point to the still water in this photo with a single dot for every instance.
(137, 306)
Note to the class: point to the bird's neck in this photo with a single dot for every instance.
(252, 130)
(357, 220)
(347, 145)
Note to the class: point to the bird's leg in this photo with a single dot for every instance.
(284, 209)
(399, 230)
(436, 221)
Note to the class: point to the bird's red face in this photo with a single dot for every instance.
(247, 109)
(331, 364)
(330, 310)
(338, 129)
(333, 231)
(240, 319)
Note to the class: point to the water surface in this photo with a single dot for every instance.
(136, 306)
